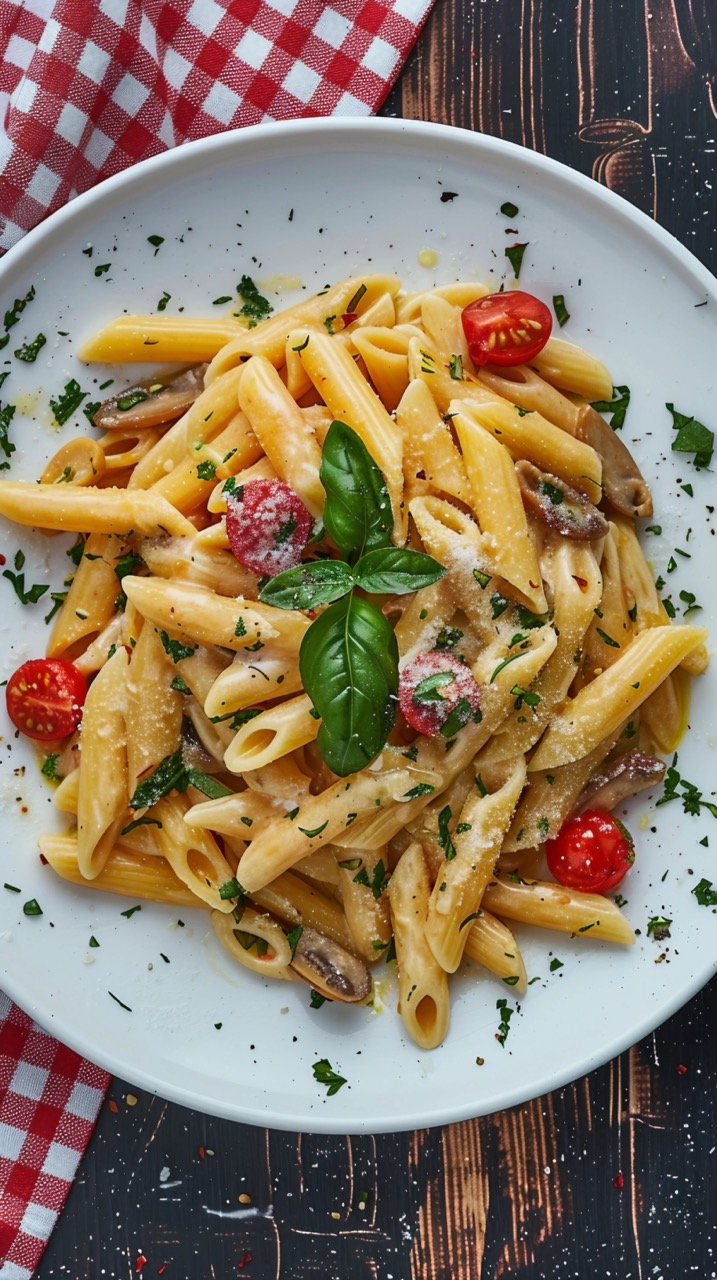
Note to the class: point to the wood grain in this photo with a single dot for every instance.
(613, 1176)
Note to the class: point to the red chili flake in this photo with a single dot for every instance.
(582, 582)
(244, 1261)
(140, 1264)
(202, 1152)
(431, 688)
(113, 1106)
(161, 1270)
(682, 1069)
(348, 317)
(43, 860)
(268, 526)
(3, 559)
(618, 1182)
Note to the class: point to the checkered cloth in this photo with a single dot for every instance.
(87, 89)
(49, 1099)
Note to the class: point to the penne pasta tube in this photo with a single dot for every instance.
(471, 853)
(153, 715)
(351, 400)
(296, 902)
(551, 796)
(254, 941)
(423, 1000)
(361, 881)
(491, 944)
(78, 510)
(253, 678)
(385, 355)
(134, 875)
(193, 854)
(429, 447)
(615, 694)
(191, 480)
(409, 306)
(202, 617)
(102, 795)
(318, 821)
(210, 414)
(498, 505)
(194, 560)
(269, 338)
(533, 437)
(572, 369)
(161, 339)
(522, 386)
(551, 906)
(272, 734)
(282, 431)
(91, 598)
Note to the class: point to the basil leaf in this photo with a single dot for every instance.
(349, 667)
(358, 513)
(320, 582)
(397, 570)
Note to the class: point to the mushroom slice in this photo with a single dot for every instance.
(558, 505)
(152, 403)
(624, 486)
(625, 777)
(330, 969)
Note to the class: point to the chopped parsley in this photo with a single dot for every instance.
(49, 768)
(688, 793)
(230, 889)
(68, 401)
(447, 638)
(555, 964)
(32, 908)
(13, 314)
(514, 253)
(444, 835)
(293, 938)
(705, 894)
(455, 368)
(121, 1003)
(658, 927)
(315, 832)
(617, 407)
(562, 315)
(128, 401)
(506, 1014)
(325, 1074)
(31, 350)
(127, 915)
(207, 470)
(176, 650)
(692, 437)
(509, 210)
(255, 308)
(165, 298)
(421, 789)
(606, 639)
(316, 999)
(155, 241)
(7, 413)
(26, 595)
(377, 883)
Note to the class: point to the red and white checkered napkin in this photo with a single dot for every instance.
(49, 1099)
(87, 89)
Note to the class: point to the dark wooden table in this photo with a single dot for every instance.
(613, 1176)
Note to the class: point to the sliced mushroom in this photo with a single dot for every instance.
(152, 403)
(625, 777)
(624, 486)
(330, 969)
(558, 505)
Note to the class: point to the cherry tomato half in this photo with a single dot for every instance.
(45, 697)
(591, 852)
(506, 328)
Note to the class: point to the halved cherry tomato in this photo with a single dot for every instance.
(437, 694)
(45, 698)
(506, 328)
(591, 852)
(268, 526)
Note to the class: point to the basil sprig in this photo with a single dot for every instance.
(349, 656)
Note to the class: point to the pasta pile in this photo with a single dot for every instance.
(195, 778)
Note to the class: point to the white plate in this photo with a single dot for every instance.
(365, 196)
